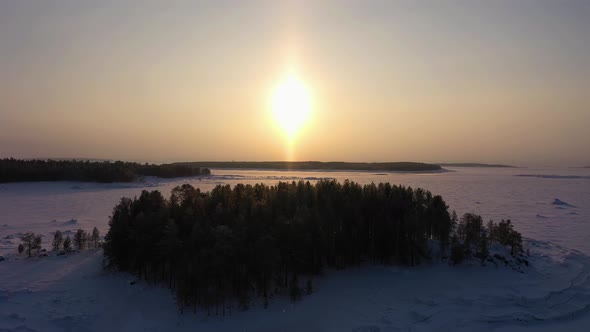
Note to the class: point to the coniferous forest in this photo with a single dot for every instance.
(16, 170)
(223, 248)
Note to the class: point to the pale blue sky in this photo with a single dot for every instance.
(482, 81)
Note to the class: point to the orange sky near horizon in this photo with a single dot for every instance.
(435, 81)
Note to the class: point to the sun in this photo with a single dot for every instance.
(291, 105)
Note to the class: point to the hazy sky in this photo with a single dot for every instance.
(432, 81)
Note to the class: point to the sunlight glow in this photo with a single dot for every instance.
(291, 105)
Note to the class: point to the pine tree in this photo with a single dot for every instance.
(483, 251)
(68, 244)
(31, 243)
(515, 243)
(37, 243)
(491, 229)
(94, 239)
(80, 239)
(116, 242)
(457, 251)
(170, 249)
(57, 240)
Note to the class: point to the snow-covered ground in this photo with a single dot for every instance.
(551, 206)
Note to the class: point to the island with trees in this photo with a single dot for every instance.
(226, 248)
(317, 165)
(17, 170)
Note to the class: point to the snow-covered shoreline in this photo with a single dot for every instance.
(74, 293)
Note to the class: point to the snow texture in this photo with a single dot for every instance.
(72, 293)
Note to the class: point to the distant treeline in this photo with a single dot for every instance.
(232, 244)
(16, 170)
(316, 165)
(475, 165)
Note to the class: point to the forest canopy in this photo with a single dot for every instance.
(232, 244)
(17, 170)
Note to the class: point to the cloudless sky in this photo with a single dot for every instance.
(432, 81)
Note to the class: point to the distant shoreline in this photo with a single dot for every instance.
(18, 170)
(475, 165)
(326, 170)
(316, 166)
